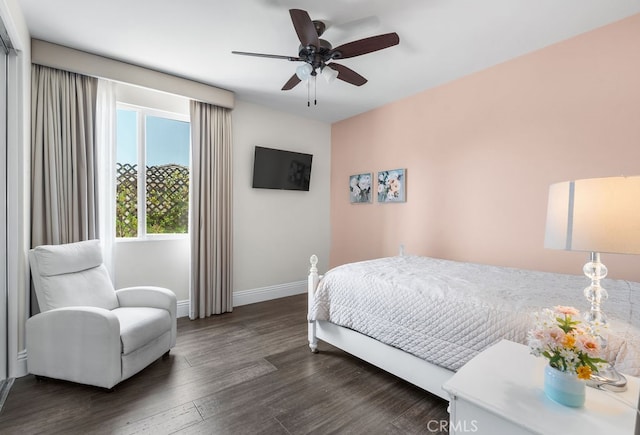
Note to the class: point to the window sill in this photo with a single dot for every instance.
(152, 238)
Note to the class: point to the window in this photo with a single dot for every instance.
(160, 143)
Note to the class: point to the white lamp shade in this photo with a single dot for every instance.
(595, 215)
(329, 74)
(304, 71)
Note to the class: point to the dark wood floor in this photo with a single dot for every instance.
(246, 372)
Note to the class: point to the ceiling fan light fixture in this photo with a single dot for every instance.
(316, 54)
(329, 74)
(304, 71)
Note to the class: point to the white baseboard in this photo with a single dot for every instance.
(251, 296)
(21, 365)
(183, 308)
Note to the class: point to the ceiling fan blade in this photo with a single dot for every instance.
(291, 83)
(347, 74)
(305, 29)
(366, 45)
(272, 56)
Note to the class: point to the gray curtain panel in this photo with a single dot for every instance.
(64, 205)
(211, 231)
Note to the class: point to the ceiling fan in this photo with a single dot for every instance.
(318, 55)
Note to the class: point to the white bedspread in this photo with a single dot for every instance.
(446, 312)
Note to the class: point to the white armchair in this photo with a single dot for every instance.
(88, 332)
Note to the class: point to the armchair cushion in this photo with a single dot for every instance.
(149, 296)
(71, 275)
(141, 325)
(68, 258)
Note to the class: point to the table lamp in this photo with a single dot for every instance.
(596, 215)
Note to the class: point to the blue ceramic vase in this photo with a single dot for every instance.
(564, 388)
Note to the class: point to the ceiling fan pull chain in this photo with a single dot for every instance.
(308, 93)
(315, 90)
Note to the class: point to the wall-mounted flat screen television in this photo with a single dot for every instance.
(280, 169)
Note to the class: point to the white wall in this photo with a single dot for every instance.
(275, 232)
(163, 263)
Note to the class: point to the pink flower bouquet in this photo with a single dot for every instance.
(569, 344)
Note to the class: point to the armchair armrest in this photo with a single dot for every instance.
(154, 297)
(146, 296)
(79, 344)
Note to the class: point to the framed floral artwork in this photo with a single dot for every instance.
(360, 188)
(392, 185)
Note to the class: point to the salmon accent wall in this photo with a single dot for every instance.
(481, 152)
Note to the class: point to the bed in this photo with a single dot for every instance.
(423, 318)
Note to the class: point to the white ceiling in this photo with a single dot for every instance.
(440, 40)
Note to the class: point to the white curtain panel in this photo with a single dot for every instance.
(106, 158)
(210, 226)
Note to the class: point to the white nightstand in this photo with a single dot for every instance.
(500, 392)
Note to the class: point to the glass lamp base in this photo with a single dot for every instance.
(609, 379)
